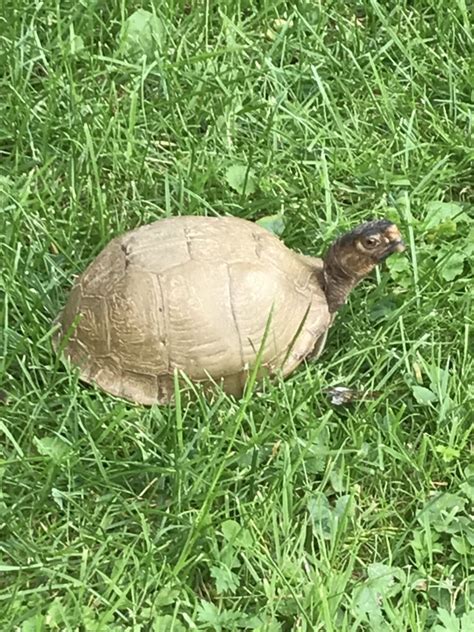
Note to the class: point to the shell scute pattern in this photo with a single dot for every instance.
(195, 296)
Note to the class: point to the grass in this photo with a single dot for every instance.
(281, 512)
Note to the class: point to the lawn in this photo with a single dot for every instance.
(284, 511)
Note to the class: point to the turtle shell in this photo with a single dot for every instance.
(197, 295)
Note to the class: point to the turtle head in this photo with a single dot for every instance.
(355, 254)
(360, 250)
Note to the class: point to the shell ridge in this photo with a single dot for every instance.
(188, 240)
(234, 318)
(258, 245)
(162, 318)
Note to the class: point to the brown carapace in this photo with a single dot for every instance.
(202, 295)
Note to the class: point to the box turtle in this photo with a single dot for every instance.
(195, 294)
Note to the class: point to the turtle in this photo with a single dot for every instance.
(212, 298)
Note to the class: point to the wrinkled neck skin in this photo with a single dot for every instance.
(340, 279)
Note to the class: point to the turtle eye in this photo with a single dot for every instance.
(371, 242)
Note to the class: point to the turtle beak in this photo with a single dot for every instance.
(398, 246)
(395, 240)
(395, 246)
